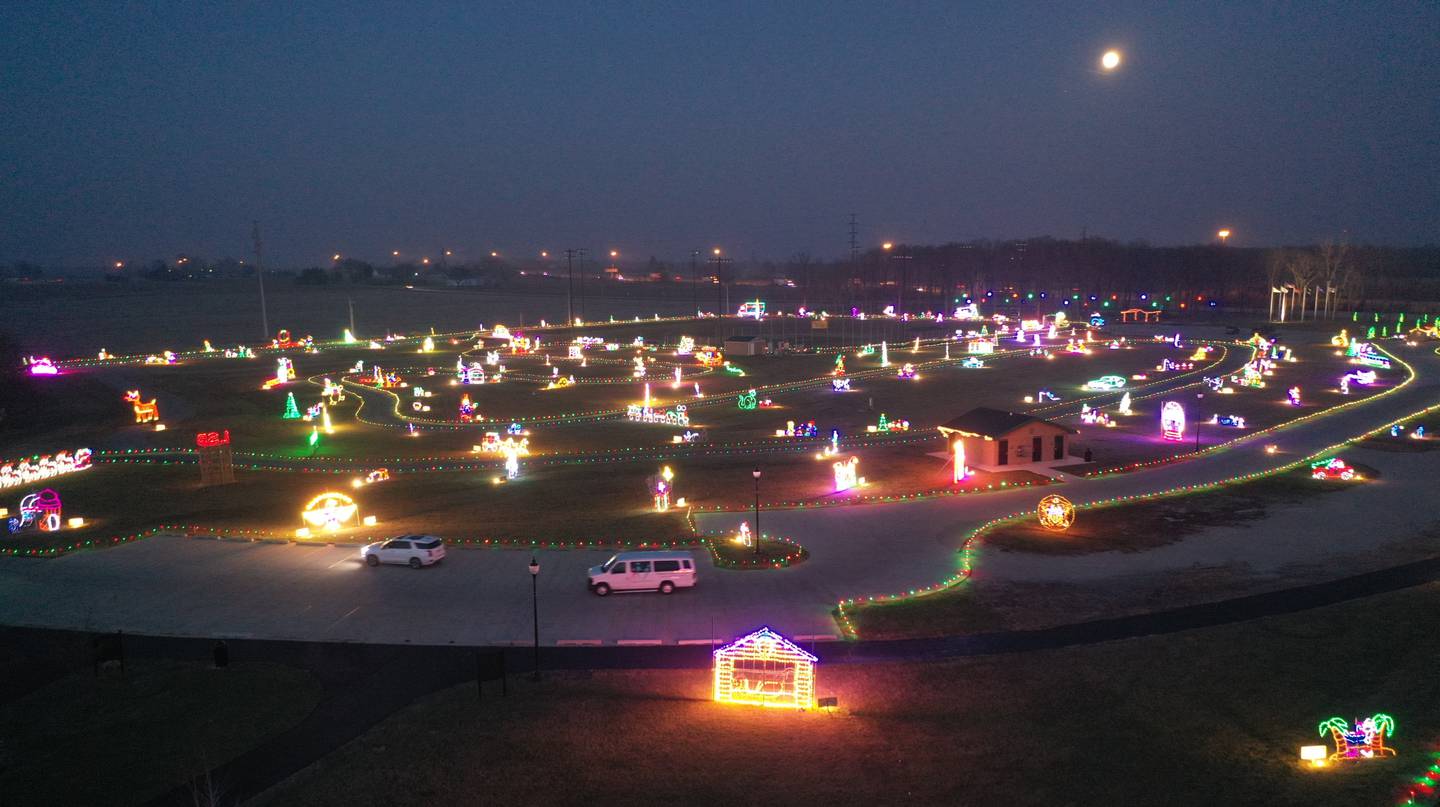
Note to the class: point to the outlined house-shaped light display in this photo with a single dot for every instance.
(765, 669)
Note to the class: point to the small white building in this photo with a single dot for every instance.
(745, 346)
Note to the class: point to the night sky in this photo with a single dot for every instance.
(149, 129)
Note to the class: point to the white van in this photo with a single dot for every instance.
(643, 571)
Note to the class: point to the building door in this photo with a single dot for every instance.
(1059, 446)
(1004, 453)
(1036, 449)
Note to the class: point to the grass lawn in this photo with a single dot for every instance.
(1134, 527)
(1145, 525)
(1205, 718)
(125, 740)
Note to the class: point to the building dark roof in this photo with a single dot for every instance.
(995, 423)
(743, 339)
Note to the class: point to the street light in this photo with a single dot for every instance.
(756, 473)
(1223, 235)
(535, 612)
(1110, 60)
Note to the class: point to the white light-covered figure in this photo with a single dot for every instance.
(1124, 407)
(846, 474)
(35, 469)
(686, 346)
(884, 354)
(284, 371)
(960, 471)
(744, 537)
(1172, 421)
(639, 371)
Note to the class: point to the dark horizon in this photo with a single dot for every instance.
(156, 130)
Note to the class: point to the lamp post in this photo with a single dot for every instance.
(756, 473)
(1199, 396)
(535, 612)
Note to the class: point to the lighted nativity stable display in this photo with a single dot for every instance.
(764, 668)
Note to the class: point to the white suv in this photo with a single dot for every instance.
(413, 550)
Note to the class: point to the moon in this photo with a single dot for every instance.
(1110, 60)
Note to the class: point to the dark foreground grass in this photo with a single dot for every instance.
(117, 739)
(1140, 526)
(1201, 718)
(1133, 527)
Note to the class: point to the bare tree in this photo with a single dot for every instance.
(1331, 260)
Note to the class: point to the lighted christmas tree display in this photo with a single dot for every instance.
(292, 412)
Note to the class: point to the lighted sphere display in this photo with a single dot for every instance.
(1056, 513)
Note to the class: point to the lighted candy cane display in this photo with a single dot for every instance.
(764, 669)
(145, 411)
(1172, 421)
(35, 469)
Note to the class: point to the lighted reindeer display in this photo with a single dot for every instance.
(145, 411)
(1364, 741)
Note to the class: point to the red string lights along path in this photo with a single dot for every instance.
(845, 607)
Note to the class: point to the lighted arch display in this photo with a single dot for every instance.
(330, 511)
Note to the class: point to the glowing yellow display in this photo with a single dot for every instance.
(765, 669)
(330, 511)
(1056, 513)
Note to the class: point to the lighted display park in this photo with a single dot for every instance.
(719, 405)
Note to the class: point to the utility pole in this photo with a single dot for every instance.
(570, 293)
(694, 282)
(260, 276)
(351, 301)
(580, 253)
(854, 252)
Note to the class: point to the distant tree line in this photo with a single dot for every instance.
(1329, 276)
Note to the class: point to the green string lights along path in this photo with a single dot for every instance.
(846, 607)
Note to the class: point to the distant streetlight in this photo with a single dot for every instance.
(395, 253)
(887, 246)
(1223, 235)
(121, 264)
(535, 612)
(717, 251)
(494, 254)
(425, 261)
(756, 473)
(1110, 60)
(448, 253)
(544, 254)
(335, 257)
(614, 253)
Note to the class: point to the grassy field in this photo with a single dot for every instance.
(117, 739)
(1132, 527)
(1201, 718)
